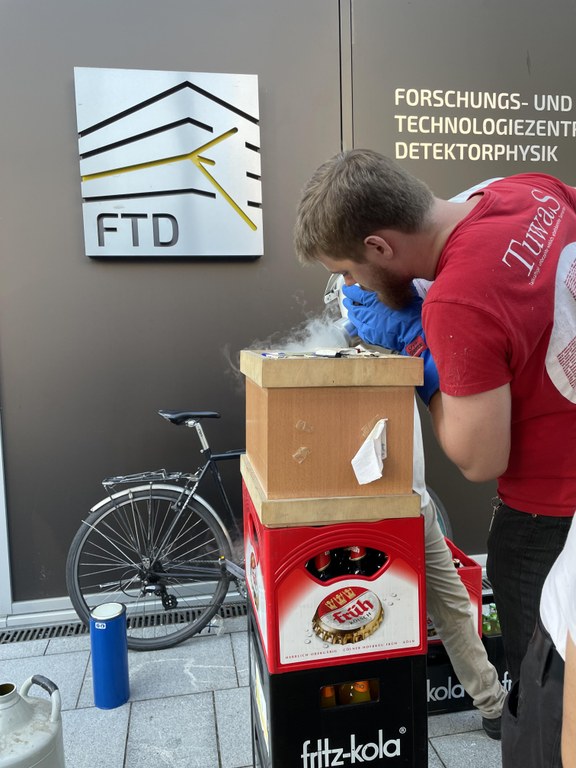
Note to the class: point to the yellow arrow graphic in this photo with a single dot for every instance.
(195, 158)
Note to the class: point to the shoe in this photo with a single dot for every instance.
(492, 727)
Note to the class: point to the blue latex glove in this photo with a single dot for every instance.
(396, 329)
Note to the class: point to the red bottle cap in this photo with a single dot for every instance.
(357, 553)
(322, 561)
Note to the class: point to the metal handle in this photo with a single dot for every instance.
(50, 688)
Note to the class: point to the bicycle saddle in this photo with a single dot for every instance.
(181, 417)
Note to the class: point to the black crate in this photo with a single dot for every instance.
(292, 730)
(444, 692)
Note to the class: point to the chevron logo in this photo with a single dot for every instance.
(169, 164)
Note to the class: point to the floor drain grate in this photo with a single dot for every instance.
(231, 610)
(76, 629)
(42, 633)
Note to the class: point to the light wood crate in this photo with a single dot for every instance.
(307, 417)
(286, 513)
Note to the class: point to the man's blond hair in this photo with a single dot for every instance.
(352, 195)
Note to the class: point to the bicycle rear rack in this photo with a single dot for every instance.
(157, 476)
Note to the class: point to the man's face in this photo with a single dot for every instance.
(393, 290)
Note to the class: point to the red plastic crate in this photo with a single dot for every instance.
(381, 616)
(470, 573)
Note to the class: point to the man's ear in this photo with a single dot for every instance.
(378, 247)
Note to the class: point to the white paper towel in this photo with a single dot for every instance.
(369, 461)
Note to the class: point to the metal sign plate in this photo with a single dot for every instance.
(170, 163)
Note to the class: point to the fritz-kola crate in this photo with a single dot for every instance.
(307, 417)
(332, 594)
(371, 712)
(444, 691)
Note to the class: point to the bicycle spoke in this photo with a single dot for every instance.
(159, 552)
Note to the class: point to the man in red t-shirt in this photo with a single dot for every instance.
(497, 332)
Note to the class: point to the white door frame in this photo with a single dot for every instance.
(5, 580)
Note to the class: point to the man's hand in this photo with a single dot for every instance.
(397, 330)
(378, 324)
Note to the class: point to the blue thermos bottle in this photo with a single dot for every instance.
(109, 646)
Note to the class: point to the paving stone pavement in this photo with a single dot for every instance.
(189, 707)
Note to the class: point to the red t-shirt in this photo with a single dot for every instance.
(503, 309)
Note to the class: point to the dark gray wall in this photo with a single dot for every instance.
(90, 350)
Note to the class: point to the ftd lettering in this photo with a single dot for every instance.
(131, 220)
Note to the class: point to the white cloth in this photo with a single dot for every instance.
(369, 461)
(558, 599)
(419, 474)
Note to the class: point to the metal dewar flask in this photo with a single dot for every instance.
(30, 727)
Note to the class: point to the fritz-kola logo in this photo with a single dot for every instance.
(455, 690)
(452, 690)
(324, 755)
(169, 163)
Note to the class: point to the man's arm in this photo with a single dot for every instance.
(569, 713)
(474, 431)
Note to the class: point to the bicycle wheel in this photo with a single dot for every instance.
(157, 550)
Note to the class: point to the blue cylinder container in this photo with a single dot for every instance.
(109, 645)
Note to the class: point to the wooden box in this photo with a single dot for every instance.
(306, 418)
(326, 510)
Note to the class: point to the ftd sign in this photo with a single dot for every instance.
(170, 163)
(104, 224)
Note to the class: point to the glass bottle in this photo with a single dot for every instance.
(327, 696)
(357, 563)
(322, 566)
(356, 692)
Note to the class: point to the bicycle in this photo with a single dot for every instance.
(158, 547)
(162, 550)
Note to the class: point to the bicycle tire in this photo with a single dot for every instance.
(153, 537)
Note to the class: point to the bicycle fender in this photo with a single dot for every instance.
(164, 487)
(134, 489)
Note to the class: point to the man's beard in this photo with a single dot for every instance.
(396, 292)
(397, 297)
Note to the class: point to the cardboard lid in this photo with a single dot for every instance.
(385, 370)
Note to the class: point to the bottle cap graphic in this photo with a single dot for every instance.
(348, 615)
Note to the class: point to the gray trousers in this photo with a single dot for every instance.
(449, 607)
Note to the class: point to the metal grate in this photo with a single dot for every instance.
(75, 629)
(42, 633)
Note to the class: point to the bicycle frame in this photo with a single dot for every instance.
(211, 464)
(187, 484)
